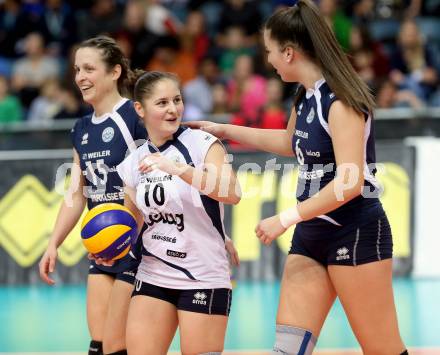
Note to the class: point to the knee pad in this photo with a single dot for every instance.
(293, 341)
(95, 348)
(120, 352)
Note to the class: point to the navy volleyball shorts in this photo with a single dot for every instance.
(352, 245)
(126, 275)
(207, 301)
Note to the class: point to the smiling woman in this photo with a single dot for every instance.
(100, 141)
(177, 183)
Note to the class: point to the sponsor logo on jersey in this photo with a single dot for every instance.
(154, 179)
(301, 134)
(112, 196)
(85, 139)
(108, 134)
(310, 116)
(176, 254)
(163, 238)
(167, 218)
(95, 155)
(208, 137)
(200, 298)
(331, 95)
(313, 154)
(311, 175)
(342, 254)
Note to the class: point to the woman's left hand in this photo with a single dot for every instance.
(269, 229)
(158, 161)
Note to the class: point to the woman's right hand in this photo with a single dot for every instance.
(216, 129)
(47, 264)
(100, 261)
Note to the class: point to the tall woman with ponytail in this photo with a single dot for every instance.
(342, 244)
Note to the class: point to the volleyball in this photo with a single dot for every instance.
(108, 231)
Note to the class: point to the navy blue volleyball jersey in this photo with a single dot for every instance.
(102, 143)
(312, 144)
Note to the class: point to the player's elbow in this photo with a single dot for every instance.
(346, 191)
(355, 191)
(234, 194)
(234, 199)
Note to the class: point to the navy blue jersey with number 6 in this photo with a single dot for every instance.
(312, 144)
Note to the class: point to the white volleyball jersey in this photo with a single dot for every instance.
(184, 245)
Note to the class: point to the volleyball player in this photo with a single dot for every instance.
(100, 142)
(176, 184)
(342, 245)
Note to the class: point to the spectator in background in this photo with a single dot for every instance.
(337, 20)
(412, 62)
(194, 37)
(198, 92)
(270, 116)
(423, 8)
(139, 42)
(10, 11)
(364, 49)
(246, 90)
(244, 14)
(102, 18)
(273, 114)
(71, 104)
(361, 11)
(59, 27)
(47, 104)
(219, 99)
(160, 20)
(232, 45)
(246, 94)
(389, 96)
(170, 57)
(10, 107)
(31, 71)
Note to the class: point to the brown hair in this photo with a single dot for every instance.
(143, 88)
(112, 55)
(302, 27)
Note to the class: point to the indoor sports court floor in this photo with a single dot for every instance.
(44, 320)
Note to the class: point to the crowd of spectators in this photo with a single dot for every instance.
(216, 49)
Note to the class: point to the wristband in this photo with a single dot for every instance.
(290, 217)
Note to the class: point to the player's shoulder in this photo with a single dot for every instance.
(327, 94)
(81, 124)
(196, 136)
(127, 111)
(141, 150)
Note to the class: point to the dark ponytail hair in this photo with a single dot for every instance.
(303, 28)
(112, 55)
(146, 81)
